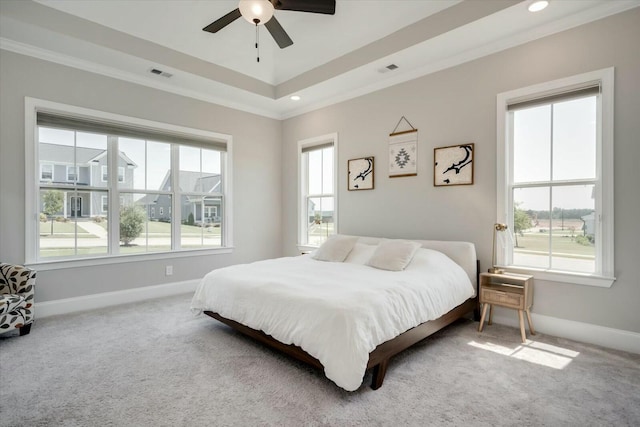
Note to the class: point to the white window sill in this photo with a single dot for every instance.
(306, 248)
(59, 264)
(565, 276)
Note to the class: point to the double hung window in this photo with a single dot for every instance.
(126, 186)
(555, 183)
(317, 218)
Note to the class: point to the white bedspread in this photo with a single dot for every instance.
(336, 312)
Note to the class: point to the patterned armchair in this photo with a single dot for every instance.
(17, 285)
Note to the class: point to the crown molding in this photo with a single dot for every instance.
(92, 67)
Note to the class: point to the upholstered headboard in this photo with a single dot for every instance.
(463, 253)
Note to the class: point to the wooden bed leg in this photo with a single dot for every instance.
(378, 374)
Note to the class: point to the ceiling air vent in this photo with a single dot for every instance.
(160, 73)
(388, 68)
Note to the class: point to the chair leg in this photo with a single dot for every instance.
(25, 329)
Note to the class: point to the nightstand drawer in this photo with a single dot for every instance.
(507, 299)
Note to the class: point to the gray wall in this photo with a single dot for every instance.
(458, 105)
(256, 172)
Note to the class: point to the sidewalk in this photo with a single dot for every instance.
(93, 228)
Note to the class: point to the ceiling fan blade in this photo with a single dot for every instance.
(219, 24)
(327, 7)
(278, 33)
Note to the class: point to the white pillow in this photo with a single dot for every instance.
(335, 248)
(360, 254)
(393, 255)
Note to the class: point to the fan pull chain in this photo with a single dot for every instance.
(257, 40)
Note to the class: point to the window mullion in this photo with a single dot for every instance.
(551, 139)
(74, 205)
(113, 212)
(176, 198)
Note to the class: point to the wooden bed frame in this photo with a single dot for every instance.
(380, 356)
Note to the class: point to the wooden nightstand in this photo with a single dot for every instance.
(507, 290)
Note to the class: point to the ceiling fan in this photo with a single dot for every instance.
(260, 12)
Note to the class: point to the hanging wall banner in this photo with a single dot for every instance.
(403, 153)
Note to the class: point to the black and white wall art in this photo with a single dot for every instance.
(360, 173)
(453, 165)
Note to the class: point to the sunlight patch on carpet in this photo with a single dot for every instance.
(534, 352)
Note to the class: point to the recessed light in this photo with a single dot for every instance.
(537, 6)
(295, 98)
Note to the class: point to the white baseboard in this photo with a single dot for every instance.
(578, 331)
(107, 299)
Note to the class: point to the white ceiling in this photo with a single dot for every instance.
(178, 25)
(333, 57)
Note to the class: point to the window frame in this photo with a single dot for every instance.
(604, 275)
(331, 138)
(32, 187)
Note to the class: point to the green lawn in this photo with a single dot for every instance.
(561, 242)
(160, 228)
(61, 229)
(159, 235)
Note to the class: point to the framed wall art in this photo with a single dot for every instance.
(453, 165)
(360, 174)
(403, 153)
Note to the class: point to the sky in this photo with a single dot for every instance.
(555, 144)
(321, 177)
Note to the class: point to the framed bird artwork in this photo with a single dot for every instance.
(360, 174)
(453, 165)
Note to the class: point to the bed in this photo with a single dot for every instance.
(345, 317)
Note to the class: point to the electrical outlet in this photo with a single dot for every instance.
(168, 270)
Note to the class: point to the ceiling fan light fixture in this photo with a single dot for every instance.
(256, 12)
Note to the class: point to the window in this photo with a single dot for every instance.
(143, 168)
(72, 173)
(105, 173)
(211, 212)
(46, 172)
(555, 178)
(317, 204)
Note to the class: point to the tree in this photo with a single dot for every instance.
(52, 202)
(521, 222)
(132, 219)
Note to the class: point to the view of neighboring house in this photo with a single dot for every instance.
(589, 226)
(57, 167)
(318, 215)
(199, 207)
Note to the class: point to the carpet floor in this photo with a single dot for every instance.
(155, 364)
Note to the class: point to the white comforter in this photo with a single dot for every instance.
(336, 312)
